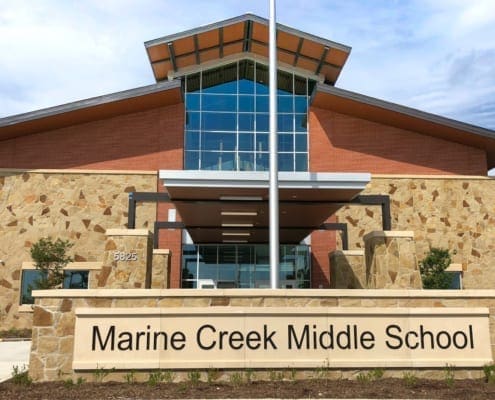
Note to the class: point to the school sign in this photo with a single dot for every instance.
(270, 337)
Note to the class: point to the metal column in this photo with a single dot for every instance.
(273, 191)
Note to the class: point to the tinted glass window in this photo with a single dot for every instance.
(227, 121)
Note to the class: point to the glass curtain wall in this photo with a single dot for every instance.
(244, 266)
(227, 122)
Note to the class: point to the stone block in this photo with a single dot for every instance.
(160, 270)
(196, 302)
(391, 261)
(42, 317)
(48, 345)
(127, 259)
(170, 302)
(220, 301)
(275, 302)
(347, 269)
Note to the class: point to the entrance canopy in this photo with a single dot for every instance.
(232, 206)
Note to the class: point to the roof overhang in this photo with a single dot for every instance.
(232, 207)
(245, 34)
(107, 106)
(372, 109)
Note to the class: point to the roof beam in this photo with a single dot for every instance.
(196, 49)
(280, 50)
(220, 41)
(248, 33)
(172, 55)
(322, 60)
(298, 51)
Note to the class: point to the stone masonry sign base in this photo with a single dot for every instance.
(76, 332)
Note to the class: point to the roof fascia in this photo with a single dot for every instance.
(87, 103)
(243, 18)
(412, 112)
(260, 179)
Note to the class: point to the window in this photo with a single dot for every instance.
(73, 279)
(243, 266)
(227, 120)
(455, 271)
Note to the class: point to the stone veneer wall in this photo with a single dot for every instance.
(127, 273)
(69, 204)
(54, 318)
(348, 270)
(391, 260)
(453, 212)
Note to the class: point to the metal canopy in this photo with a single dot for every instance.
(232, 207)
(247, 33)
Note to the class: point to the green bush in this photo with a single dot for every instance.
(489, 371)
(50, 257)
(433, 269)
(410, 380)
(20, 376)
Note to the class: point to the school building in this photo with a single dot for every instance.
(177, 172)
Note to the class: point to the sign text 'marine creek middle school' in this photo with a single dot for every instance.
(257, 337)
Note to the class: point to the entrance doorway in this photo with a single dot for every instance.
(243, 266)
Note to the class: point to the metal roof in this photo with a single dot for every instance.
(245, 34)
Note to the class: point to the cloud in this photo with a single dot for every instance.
(435, 55)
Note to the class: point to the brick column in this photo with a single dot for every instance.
(391, 260)
(127, 259)
(347, 269)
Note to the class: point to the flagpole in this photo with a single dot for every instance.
(273, 169)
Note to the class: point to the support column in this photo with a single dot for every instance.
(391, 261)
(160, 273)
(347, 269)
(127, 259)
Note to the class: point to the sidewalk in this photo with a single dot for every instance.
(13, 353)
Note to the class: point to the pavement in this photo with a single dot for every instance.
(13, 352)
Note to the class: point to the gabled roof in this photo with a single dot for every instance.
(372, 109)
(246, 34)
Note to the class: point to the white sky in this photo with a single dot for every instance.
(434, 55)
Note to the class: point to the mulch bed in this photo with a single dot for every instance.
(386, 388)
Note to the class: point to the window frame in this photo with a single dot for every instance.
(91, 267)
(200, 85)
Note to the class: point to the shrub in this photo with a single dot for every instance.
(410, 380)
(20, 376)
(155, 377)
(489, 371)
(194, 377)
(50, 257)
(433, 269)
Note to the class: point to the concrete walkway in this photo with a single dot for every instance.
(13, 353)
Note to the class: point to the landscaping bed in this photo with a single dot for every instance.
(381, 388)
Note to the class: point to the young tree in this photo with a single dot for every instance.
(50, 257)
(433, 269)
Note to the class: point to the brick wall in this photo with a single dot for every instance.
(341, 143)
(148, 140)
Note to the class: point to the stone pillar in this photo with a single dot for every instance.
(347, 269)
(160, 271)
(127, 259)
(391, 260)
